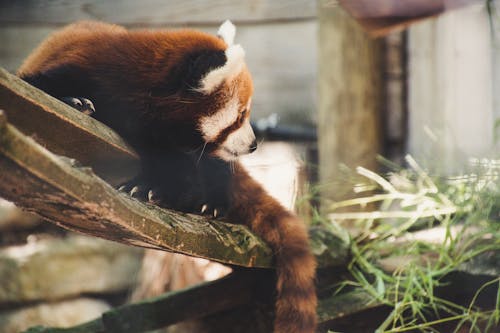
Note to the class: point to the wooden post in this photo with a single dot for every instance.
(350, 96)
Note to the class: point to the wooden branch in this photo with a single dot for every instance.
(65, 132)
(207, 299)
(222, 298)
(73, 197)
(343, 305)
(173, 307)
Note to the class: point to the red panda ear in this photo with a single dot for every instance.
(234, 61)
(199, 65)
(234, 64)
(226, 32)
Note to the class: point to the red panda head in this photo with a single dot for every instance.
(213, 104)
(228, 129)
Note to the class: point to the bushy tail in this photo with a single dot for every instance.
(296, 295)
(287, 235)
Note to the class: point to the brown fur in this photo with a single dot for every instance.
(142, 60)
(287, 235)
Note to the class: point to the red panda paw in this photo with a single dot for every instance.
(82, 104)
(185, 200)
(191, 204)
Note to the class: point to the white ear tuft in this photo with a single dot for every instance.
(235, 56)
(227, 31)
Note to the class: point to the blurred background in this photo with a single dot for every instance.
(337, 83)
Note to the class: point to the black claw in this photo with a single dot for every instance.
(134, 192)
(153, 197)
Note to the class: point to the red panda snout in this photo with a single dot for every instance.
(239, 142)
(229, 131)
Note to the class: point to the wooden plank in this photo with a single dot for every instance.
(65, 131)
(154, 12)
(350, 98)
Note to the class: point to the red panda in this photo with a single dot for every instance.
(182, 99)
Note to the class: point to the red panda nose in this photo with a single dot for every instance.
(253, 147)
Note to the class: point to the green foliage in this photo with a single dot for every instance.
(401, 265)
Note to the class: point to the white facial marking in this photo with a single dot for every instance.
(235, 56)
(211, 126)
(227, 31)
(238, 142)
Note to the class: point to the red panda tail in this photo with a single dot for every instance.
(286, 234)
(296, 295)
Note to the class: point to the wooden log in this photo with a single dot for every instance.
(173, 307)
(73, 197)
(333, 308)
(238, 295)
(65, 132)
(211, 300)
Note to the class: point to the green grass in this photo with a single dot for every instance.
(388, 213)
